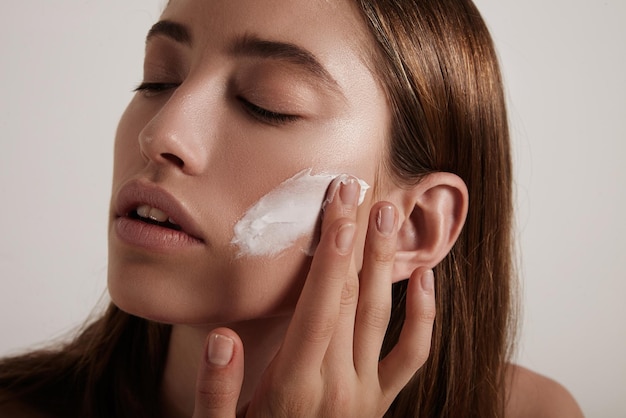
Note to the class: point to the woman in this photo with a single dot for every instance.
(241, 219)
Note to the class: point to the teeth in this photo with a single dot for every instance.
(155, 214)
(144, 211)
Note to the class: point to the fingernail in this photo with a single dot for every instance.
(428, 281)
(332, 191)
(344, 238)
(349, 191)
(220, 350)
(385, 220)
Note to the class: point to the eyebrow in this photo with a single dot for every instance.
(251, 45)
(169, 29)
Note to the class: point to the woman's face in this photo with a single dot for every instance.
(237, 97)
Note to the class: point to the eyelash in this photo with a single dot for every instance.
(260, 113)
(151, 89)
(264, 115)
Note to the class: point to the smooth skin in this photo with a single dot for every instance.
(193, 137)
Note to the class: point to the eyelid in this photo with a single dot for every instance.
(150, 89)
(164, 67)
(266, 115)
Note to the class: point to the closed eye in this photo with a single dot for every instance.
(152, 89)
(258, 112)
(265, 115)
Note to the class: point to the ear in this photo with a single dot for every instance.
(432, 215)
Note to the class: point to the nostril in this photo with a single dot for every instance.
(173, 159)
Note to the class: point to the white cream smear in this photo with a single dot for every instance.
(285, 214)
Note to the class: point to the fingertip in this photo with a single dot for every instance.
(427, 281)
(381, 242)
(349, 191)
(423, 280)
(344, 194)
(221, 346)
(220, 350)
(386, 219)
(333, 190)
(421, 296)
(220, 376)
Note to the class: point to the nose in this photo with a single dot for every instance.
(174, 136)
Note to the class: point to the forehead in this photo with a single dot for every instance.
(332, 30)
(322, 18)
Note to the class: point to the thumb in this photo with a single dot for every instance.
(220, 376)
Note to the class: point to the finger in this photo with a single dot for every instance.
(220, 376)
(339, 357)
(347, 190)
(341, 344)
(413, 347)
(317, 310)
(374, 307)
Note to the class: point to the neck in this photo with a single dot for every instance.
(261, 340)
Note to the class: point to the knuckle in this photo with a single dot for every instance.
(375, 315)
(426, 316)
(350, 292)
(290, 401)
(217, 395)
(337, 398)
(349, 211)
(380, 251)
(317, 329)
(384, 255)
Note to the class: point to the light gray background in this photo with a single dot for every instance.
(67, 70)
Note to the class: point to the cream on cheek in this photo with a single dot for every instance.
(287, 213)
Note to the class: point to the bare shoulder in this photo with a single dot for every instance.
(533, 395)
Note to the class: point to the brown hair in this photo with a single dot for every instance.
(113, 368)
(438, 66)
(436, 62)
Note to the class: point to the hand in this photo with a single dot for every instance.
(328, 365)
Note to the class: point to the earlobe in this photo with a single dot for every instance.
(432, 216)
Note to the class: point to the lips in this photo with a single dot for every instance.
(154, 216)
(148, 216)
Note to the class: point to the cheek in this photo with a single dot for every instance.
(289, 212)
(263, 286)
(352, 144)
